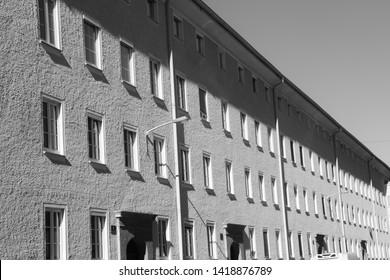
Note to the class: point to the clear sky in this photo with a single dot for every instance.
(336, 51)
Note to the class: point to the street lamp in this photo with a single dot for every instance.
(177, 178)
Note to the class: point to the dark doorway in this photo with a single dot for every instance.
(135, 250)
(321, 244)
(363, 246)
(234, 250)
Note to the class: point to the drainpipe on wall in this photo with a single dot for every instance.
(175, 136)
(373, 207)
(281, 171)
(344, 249)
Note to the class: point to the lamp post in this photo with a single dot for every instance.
(177, 178)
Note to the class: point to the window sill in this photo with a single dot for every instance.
(227, 133)
(303, 168)
(307, 213)
(163, 180)
(96, 68)
(99, 166)
(129, 85)
(210, 191)
(276, 206)
(298, 211)
(313, 173)
(272, 154)
(134, 174)
(187, 185)
(232, 196)
(284, 159)
(316, 215)
(264, 203)
(53, 47)
(250, 200)
(205, 123)
(246, 142)
(160, 102)
(260, 149)
(182, 112)
(294, 163)
(155, 20)
(288, 208)
(56, 158)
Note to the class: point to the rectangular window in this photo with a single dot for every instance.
(248, 183)
(52, 125)
(229, 177)
(155, 78)
(275, 198)
(127, 64)
(282, 147)
(55, 234)
(49, 30)
(189, 240)
(320, 167)
(240, 74)
(309, 245)
(159, 157)
(252, 243)
(278, 244)
(296, 194)
(177, 28)
(299, 117)
(311, 161)
(225, 116)
(163, 240)
(292, 148)
(300, 247)
(315, 203)
(207, 171)
(262, 188)
(244, 127)
(203, 104)
(200, 46)
(181, 93)
(185, 165)
(323, 206)
(286, 195)
(98, 236)
(255, 84)
(222, 59)
(270, 140)
(92, 40)
(266, 242)
(327, 169)
(290, 244)
(131, 148)
(302, 156)
(258, 134)
(95, 138)
(330, 206)
(280, 103)
(152, 9)
(306, 200)
(211, 241)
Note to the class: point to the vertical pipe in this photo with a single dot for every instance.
(175, 135)
(281, 172)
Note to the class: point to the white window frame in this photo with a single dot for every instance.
(252, 242)
(62, 235)
(56, 41)
(166, 243)
(287, 194)
(229, 176)
(104, 233)
(300, 246)
(275, 195)
(152, 13)
(59, 147)
(181, 92)
(129, 47)
(306, 200)
(258, 134)
(100, 156)
(207, 171)
(311, 155)
(200, 44)
(191, 253)
(302, 155)
(248, 182)
(185, 164)
(296, 195)
(292, 150)
(283, 147)
(271, 144)
(262, 187)
(309, 244)
(290, 238)
(203, 115)
(278, 238)
(98, 42)
(244, 125)
(155, 82)
(225, 116)
(134, 149)
(211, 240)
(160, 170)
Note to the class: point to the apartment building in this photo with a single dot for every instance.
(150, 129)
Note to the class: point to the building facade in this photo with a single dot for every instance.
(150, 129)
